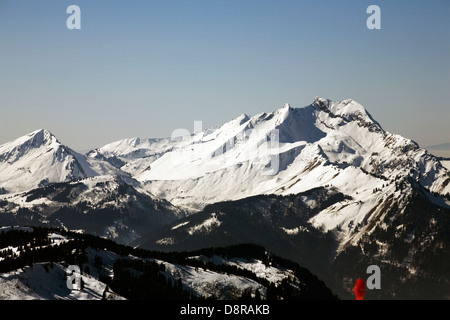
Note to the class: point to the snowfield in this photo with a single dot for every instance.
(274, 275)
(45, 281)
(206, 226)
(446, 164)
(208, 283)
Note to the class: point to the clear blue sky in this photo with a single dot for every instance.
(145, 68)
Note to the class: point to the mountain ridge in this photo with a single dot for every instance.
(285, 166)
(287, 151)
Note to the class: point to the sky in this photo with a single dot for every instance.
(145, 68)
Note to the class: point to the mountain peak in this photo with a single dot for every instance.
(40, 131)
(41, 137)
(283, 113)
(37, 159)
(338, 107)
(242, 118)
(33, 140)
(349, 110)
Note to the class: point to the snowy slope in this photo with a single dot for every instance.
(446, 164)
(206, 283)
(274, 275)
(43, 281)
(37, 273)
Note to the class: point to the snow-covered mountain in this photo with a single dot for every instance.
(106, 206)
(288, 151)
(38, 159)
(324, 185)
(45, 182)
(361, 195)
(328, 143)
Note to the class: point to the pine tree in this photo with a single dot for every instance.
(87, 270)
(104, 292)
(246, 294)
(257, 295)
(98, 262)
(272, 292)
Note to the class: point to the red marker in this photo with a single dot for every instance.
(360, 289)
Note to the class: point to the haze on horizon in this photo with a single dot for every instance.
(144, 69)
